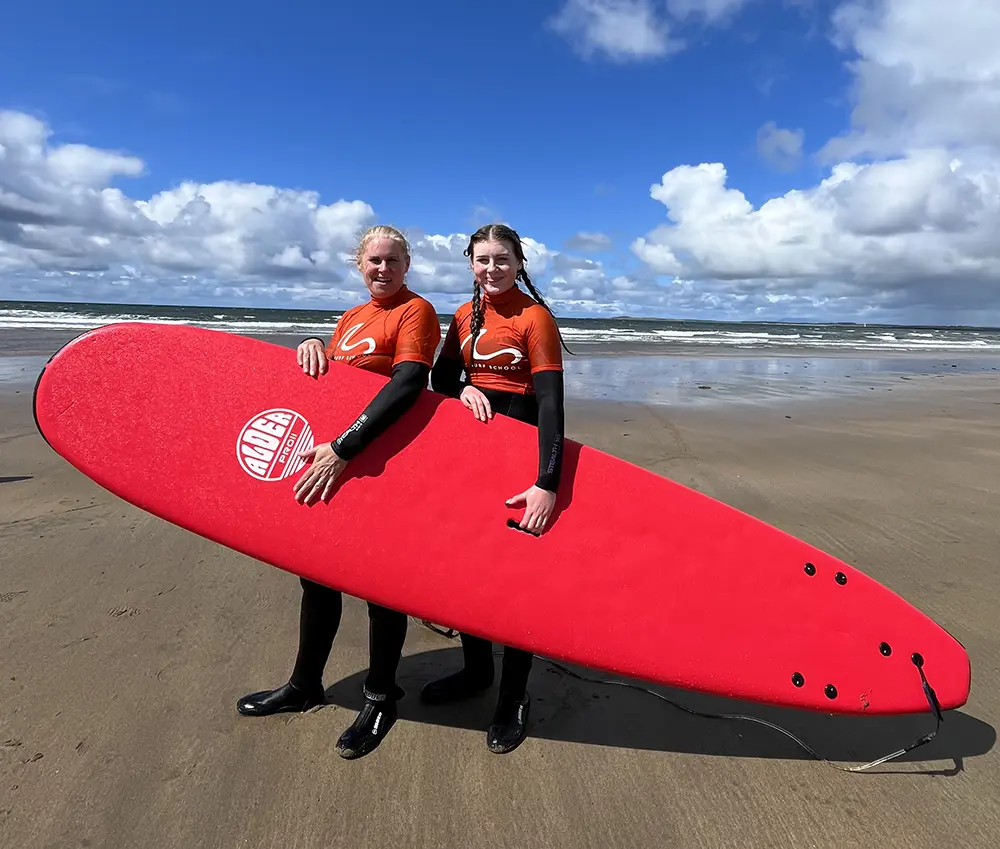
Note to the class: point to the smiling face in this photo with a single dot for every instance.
(383, 263)
(495, 265)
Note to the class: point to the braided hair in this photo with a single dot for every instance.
(501, 232)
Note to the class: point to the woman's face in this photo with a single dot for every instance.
(383, 266)
(495, 266)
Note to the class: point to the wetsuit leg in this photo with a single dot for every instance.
(475, 676)
(478, 656)
(514, 677)
(386, 635)
(319, 620)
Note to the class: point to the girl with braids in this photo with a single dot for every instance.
(506, 342)
(395, 334)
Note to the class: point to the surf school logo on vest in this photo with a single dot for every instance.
(346, 345)
(268, 443)
(481, 360)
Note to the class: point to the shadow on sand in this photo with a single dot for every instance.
(568, 709)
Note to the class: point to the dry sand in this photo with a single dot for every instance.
(125, 642)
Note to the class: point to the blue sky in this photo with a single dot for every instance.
(423, 110)
(440, 118)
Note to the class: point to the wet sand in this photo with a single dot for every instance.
(126, 642)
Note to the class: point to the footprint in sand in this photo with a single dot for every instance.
(5, 597)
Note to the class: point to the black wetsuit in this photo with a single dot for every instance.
(322, 606)
(543, 409)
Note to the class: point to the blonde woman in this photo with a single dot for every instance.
(395, 333)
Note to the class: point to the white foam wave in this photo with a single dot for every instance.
(833, 338)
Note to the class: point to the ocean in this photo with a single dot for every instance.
(649, 361)
(636, 335)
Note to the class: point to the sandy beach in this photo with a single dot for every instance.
(126, 642)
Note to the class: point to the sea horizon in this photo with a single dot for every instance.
(639, 333)
(112, 306)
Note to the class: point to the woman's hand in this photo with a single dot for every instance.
(312, 357)
(321, 475)
(538, 503)
(477, 402)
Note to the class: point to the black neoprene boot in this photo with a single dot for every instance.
(369, 728)
(455, 687)
(509, 726)
(286, 698)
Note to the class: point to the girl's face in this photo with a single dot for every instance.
(495, 266)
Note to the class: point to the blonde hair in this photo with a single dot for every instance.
(379, 231)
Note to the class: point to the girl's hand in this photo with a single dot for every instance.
(539, 504)
(477, 402)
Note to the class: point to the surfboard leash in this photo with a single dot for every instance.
(450, 633)
(917, 660)
(920, 741)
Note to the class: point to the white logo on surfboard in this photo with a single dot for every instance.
(268, 444)
(478, 355)
(367, 341)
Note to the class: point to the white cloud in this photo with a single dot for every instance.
(923, 229)
(913, 235)
(712, 11)
(634, 30)
(621, 30)
(588, 242)
(780, 148)
(923, 216)
(65, 232)
(926, 74)
(57, 211)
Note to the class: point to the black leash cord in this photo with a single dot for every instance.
(451, 633)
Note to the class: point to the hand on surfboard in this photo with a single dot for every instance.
(321, 475)
(474, 400)
(312, 357)
(538, 503)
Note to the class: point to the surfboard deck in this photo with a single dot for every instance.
(637, 575)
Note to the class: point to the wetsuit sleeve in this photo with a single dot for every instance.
(392, 400)
(446, 376)
(418, 335)
(548, 387)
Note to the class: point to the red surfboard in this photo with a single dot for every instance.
(637, 575)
